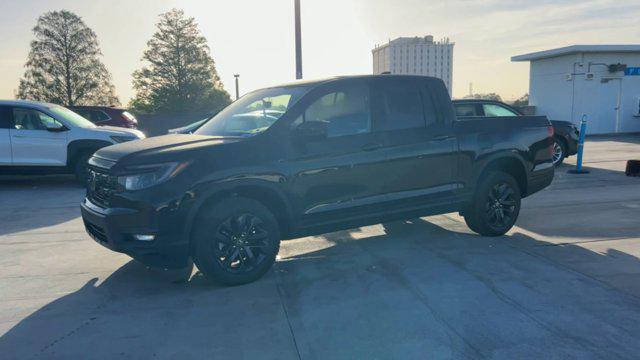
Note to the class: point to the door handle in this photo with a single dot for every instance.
(371, 146)
(19, 136)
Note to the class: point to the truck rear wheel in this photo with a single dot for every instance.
(496, 205)
(236, 241)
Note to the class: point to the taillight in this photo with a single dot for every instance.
(550, 131)
(128, 120)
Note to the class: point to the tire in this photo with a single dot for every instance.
(497, 194)
(80, 169)
(559, 152)
(225, 250)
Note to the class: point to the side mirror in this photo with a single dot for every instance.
(55, 127)
(312, 130)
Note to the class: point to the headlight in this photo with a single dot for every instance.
(121, 139)
(150, 175)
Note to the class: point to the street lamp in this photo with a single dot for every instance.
(298, 40)
(237, 89)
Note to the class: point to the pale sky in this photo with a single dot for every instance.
(255, 37)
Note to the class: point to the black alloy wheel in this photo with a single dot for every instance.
(235, 240)
(495, 205)
(241, 243)
(500, 205)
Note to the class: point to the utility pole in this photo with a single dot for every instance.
(470, 89)
(237, 88)
(298, 40)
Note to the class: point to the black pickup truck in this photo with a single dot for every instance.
(308, 158)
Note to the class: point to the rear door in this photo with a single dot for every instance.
(5, 140)
(32, 143)
(419, 144)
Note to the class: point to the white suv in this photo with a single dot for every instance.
(47, 138)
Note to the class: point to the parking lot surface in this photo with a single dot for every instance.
(565, 282)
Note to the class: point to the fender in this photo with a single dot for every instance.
(81, 146)
(485, 162)
(247, 186)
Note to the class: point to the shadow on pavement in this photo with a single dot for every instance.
(56, 200)
(414, 288)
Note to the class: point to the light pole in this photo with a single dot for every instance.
(298, 40)
(237, 89)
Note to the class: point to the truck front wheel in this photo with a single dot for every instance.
(495, 206)
(236, 241)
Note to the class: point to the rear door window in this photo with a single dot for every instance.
(466, 110)
(99, 115)
(401, 106)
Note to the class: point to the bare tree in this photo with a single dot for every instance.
(64, 64)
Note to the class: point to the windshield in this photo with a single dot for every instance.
(253, 113)
(71, 117)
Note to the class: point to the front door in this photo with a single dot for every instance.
(32, 143)
(337, 177)
(419, 145)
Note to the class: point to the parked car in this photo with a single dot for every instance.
(45, 138)
(107, 116)
(565, 133)
(344, 152)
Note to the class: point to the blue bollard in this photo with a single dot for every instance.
(583, 132)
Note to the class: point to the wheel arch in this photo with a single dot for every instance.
(266, 194)
(509, 164)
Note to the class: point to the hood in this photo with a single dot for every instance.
(119, 131)
(161, 148)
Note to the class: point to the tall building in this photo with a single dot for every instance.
(415, 56)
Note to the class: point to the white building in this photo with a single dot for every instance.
(415, 56)
(600, 81)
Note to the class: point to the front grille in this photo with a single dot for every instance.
(96, 232)
(101, 187)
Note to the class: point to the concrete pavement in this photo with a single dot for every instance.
(564, 283)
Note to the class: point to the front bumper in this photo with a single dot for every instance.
(114, 228)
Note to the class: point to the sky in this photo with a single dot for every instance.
(254, 38)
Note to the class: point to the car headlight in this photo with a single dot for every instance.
(121, 139)
(146, 176)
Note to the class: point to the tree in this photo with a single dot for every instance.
(522, 101)
(180, 74)
(64, 66)
(489, 96)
